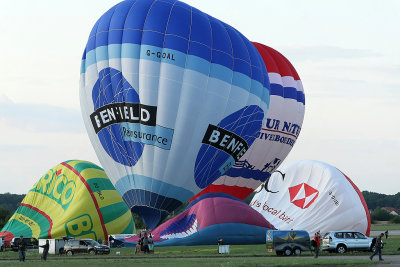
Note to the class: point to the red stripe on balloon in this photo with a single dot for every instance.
(93, 198)
(363, 203)
(43, 213)
(275, 131)
(236, 191)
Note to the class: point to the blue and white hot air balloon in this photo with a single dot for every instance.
(171, 98)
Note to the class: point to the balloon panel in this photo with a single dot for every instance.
(208, 218)
(313, 196)
(171, 98)
(76, 199)
(281, 128)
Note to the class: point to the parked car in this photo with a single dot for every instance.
(90, 246)
(342, 241)
(287, 242)
(31, 243)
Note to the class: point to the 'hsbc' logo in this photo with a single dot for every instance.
(302, 195)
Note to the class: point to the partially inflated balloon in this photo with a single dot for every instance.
(278, 135)
(209, 218)
(75, 199)
(312, 195)
(171, 98)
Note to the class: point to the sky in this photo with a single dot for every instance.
(346, 53)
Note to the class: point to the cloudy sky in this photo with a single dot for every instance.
(346, 52)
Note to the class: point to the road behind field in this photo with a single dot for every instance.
(391, 232)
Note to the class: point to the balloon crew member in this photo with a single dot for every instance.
(45, 250)
(21, 248)
(317, 243)
(151, 243)
(139, 245)
(378, 247)
(146, 243)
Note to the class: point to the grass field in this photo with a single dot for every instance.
(384, 227)
(240, 255)
(183, 262)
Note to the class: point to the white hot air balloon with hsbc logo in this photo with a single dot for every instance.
(313, 196)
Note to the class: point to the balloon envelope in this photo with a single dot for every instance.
(279, 132)
(75, 199)
(209, 218)
(312, 196)
(171, 98)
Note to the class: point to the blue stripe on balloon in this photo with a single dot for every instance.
(150, 184)
(178, 26)
(290, 92)
(182, 60)
(287, 92)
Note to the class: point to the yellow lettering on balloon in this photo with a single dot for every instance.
(56, 193)
(42, 185)
(51, 185)
(34, 226)
(69, 187)
(79, 225)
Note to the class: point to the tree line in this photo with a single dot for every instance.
(375, 201)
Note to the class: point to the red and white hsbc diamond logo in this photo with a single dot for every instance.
(302, 195)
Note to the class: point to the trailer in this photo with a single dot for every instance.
(56, 246)
(287, 242)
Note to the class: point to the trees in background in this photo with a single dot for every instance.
(5, 214)
(375, 200)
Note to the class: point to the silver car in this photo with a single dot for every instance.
(342, 241)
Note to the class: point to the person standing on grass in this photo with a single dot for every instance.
(386, 233)
(21, 248)
(378, 247)
(45, 250)
(317, 238)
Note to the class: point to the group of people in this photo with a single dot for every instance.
(145, 243)
(22, 249)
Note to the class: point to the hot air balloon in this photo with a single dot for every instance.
(313, 196)
(171, 98)
(279, 133)
(208, 218)
(75, 199)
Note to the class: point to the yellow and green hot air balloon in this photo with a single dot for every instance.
(75, 199)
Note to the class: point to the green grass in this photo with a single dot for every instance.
(222, 262)
(384, 227)
(240, 255)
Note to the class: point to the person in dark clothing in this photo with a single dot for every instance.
(378, 247)
(146, 244)
(21, 248)
(151, 243)
(45, 250)
(139, 246)
(387, 234)
(317, 238)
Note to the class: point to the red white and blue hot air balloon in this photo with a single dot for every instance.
(279, 133)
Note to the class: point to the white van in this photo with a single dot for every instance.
(56, 246)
